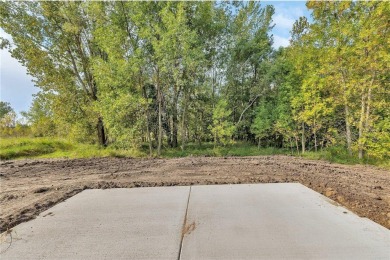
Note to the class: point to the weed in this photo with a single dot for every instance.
(15, 148)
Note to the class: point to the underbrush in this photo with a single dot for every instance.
(19, 148)
(340, 155)
(208, 149)
(11, 148)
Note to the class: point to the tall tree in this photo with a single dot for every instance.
(250, 51)
(54, 41)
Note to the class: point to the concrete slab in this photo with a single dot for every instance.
(143, 223)
(258, 221)
(276, 221)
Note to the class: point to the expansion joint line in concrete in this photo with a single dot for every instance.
(184, 225)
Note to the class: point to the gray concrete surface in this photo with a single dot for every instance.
(143, 223)
(277, 221)
(258, 221)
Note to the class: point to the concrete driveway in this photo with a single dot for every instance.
(247, 221)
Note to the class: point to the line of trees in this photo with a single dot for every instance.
(10, 125)
(170, 73)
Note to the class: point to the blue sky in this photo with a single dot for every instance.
(286, 13)
(17, 87)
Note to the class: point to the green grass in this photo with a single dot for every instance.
(207, 149)
(332, 154)
(340, 155)
(11, 148)
(19, 148)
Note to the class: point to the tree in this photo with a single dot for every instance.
(5, 108)
(350, 36)
(372, 48)
(249, 55)
(58, 55)
(40, 115)
(168, 72)
(263, 123)
(286, 87)
(7, 119)
(295, 55)
(222, 128)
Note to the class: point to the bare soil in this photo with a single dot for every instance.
(29, 187)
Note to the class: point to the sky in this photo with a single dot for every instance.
(286, 13)
(17, 87)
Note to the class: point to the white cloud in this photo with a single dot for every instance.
(290, 9)
(283, 21)
(280, 41)
(286, 13)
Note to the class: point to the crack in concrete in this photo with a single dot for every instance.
(186, 228)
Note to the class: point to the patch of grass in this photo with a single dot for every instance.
(19, 148)
(11, 148)
(207, 149)
(331, 154)
(340, 155)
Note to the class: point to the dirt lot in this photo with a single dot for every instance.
(28, 187)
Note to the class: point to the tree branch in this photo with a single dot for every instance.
(250, 104)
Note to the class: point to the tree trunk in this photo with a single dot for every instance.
(348, 130)
(199, 136)
(215, 139)
(364, 116)
(159, 97)
(296, 143)
(303, 137)
(166, 125)
(366, 125)
(174, 121)
(361, 126)
(100, 131)
(369, 98)
(347, 116)
(364, 113)
(213, 86)
(147, 124)
(183, 127)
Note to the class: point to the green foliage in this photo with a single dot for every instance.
(5, 108)
(208, 149)
(222, 128)
(54, 42)
(19, 148)
(378, 141)
(338, 154)
(40, 116)
(123, 74)
(11, 148)
(248, 61)
(263, 124)
(9, 125)
(8, 120)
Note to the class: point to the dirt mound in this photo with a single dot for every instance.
(29, 187)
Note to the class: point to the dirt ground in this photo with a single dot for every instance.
(29, 187)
